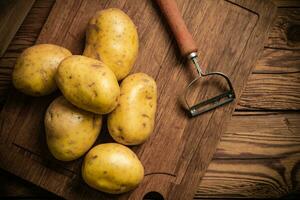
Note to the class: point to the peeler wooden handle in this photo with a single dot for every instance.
(183, 37)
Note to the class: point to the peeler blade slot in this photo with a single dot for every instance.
(215, 101)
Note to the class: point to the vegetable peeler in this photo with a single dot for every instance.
(188, 49)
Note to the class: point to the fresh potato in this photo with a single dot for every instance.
(112, 168)
(88, 84)
(132, 121)
(70, 131)
(112, 38)
(35, 69)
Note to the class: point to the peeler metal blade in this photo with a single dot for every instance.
(214, 102)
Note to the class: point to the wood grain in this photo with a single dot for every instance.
(271, 92)
(234, 184)
(285, 33)
(274, 83)
(258, 157)
(245, 178)
(12, 14)
(249, 162)
(25, 37)
(230, 16)
(272, 61)
(286, 3)
(260, 136)
(277, 61)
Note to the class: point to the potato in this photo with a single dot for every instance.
(70, 131)
(88, 84)
(112, 38)
(112, 168)
(132, 121)
(35, 69)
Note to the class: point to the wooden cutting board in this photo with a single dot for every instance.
(12, 14)
(230, 36)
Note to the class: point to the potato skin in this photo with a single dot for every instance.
(88, 84)
(112, 168)
(70, 131)
(132, 121)
(35, 69)
(112, 38)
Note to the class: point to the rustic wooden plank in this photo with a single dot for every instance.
(285, 33)
(12, 14)
(287, 3)
(25, 37)
(258, 157)
(244, 178)
(260, 136)
(63, 13)
(276, 61)
(274, 83)
(271, 92)
(231, 17)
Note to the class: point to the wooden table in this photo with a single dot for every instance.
(259, 155)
